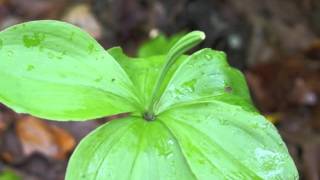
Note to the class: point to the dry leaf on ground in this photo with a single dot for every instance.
(38, 136)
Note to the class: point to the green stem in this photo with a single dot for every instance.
(184, 44)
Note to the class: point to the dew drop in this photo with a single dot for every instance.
(169, 155)
(264, 125)
(171, 142)
(270, 161)
(190, 84)
(164, 149)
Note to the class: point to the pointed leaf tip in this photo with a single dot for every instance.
(200, 34)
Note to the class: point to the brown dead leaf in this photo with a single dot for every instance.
(7, 157)
(38, 136)
(64, 140)
(281, 85)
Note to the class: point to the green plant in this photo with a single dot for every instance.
(190, 117)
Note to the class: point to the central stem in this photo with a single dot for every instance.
(149, 117)
(184, 44)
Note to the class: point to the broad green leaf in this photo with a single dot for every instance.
(129, 148)
(213, 140)
(201, 77)
(54, 70)
(159, 45)
(223, 141)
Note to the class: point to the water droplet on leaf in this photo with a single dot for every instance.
(169, 155)
(190, 84)
(270, 161)
(171, 142)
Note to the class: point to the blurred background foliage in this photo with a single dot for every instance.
(275, 43)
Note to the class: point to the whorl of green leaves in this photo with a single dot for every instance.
(190, 117)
